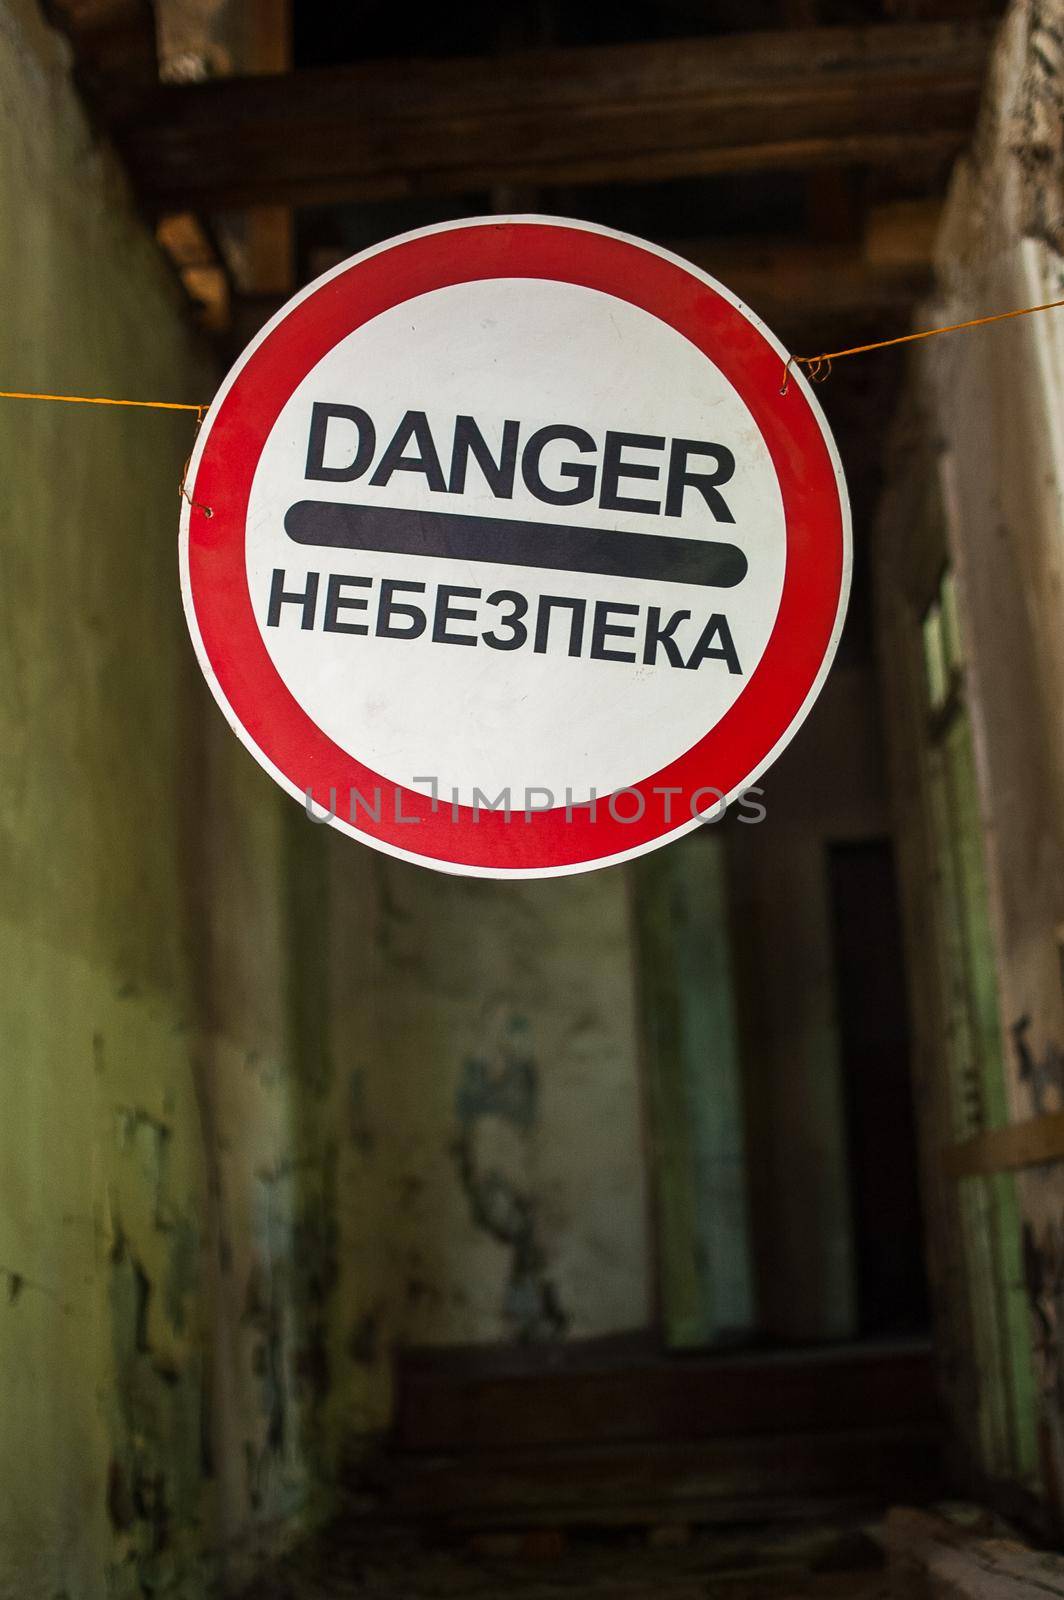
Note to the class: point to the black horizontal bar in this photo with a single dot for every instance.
(518, 544)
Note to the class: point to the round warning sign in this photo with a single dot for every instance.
(505, 553)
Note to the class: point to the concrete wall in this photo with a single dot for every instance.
(985, 451)
(271, 1104)
(698, 1144)
(491, 1173)
(162, 1249)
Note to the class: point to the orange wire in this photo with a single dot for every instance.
(815, 363)
(99, 400)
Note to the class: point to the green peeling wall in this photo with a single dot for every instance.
(272, 1105)
(163, 1245)
(275, 1106)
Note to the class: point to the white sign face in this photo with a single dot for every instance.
(518, 560)
(535, 355)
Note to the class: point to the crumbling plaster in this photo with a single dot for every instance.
(157, 1302)
(992, 400)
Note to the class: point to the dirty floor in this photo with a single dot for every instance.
(672, 1562)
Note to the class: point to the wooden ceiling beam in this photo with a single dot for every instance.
(797, 286)
(809, 294)
(115, 53)
(882, 94)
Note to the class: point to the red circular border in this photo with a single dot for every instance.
(236, 433)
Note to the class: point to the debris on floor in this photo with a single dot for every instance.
(958, 1552)
(672, 1561)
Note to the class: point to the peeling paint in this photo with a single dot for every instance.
(359, 1130)
(15, 1284)
(1043, 1273)
(505, 1086)
(162, 1041)
(363, 1345)
(531, 1304)
(263, 1313)
(1043, 1075)
(508, 1089)
(183, 1269)
(992, 407)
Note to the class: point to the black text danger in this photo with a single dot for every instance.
(560, 464)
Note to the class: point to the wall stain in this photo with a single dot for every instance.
(119, 1500)
(149, 1136)
(1039, 141)
(363, 1345)
(530, 1304)
(1043, 1275)
(182, 1268)
(1044, 1075)
(15, 1284)
(315, 1252)
(262, 1313)
(508, 1088)
(152, 1486)
(287, 1304)
(393, 919)
(420, 1292)
(359, 1130)
(142, 1293)
(411, 1187)
(155, 1473)
(505, 1085)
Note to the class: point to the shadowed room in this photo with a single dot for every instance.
(687, 1226)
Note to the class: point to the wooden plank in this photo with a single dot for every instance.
(801, 288)
(909, 551)
(902, 234)
(199, 263)
(933, 1559)
(824, 96)
(730, 1479)
(440, 1407)
(256, 247)
(1021, 1144)
(796, 283)
(270, 246)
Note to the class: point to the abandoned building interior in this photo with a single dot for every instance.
(655, 1230)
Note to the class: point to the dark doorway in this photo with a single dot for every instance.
(875, 1044)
